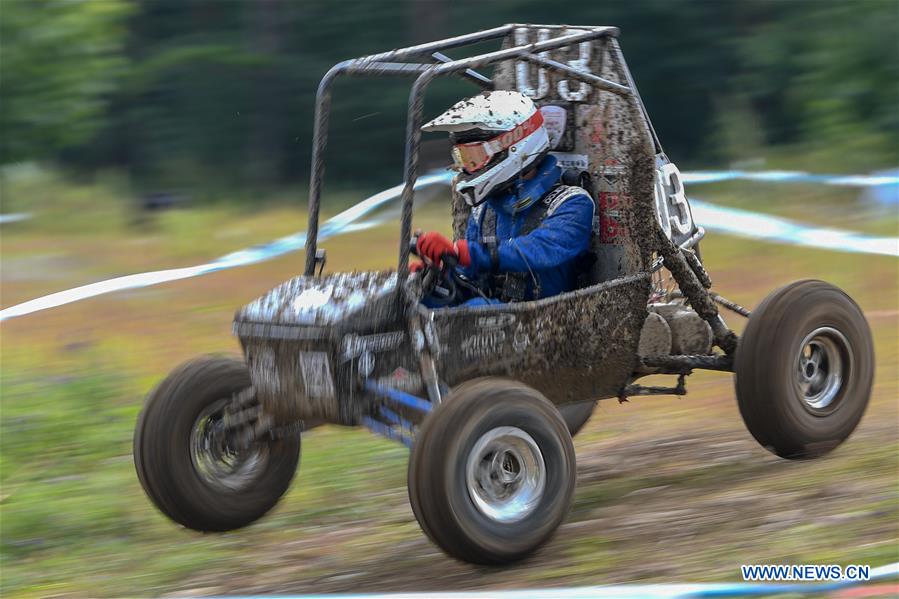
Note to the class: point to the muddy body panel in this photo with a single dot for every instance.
(311, 349)
(572, 347)
(311, 342)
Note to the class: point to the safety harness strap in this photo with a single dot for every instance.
(512, 286)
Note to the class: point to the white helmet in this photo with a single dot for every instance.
(497, 136)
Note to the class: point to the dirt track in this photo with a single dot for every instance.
(652, 505)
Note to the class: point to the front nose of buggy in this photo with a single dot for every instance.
(314, 343)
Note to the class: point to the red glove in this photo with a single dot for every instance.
(416, 266)
(433, 246)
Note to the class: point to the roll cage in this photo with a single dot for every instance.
(425, 62)
(402, 62)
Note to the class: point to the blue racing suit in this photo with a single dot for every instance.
(546, 258)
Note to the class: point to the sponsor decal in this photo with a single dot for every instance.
(570, 161)
(355, 345)
(554, 118)
(316, 371)
(611, 229)
(495, 321)
(265, 371)
(483, 344)
(520, 340)
(611, 169)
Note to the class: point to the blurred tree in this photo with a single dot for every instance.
(739, 134)
(220, 95)
(59, 64)
(825, 74)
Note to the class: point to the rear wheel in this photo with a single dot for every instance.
(492, 472)
(804, 369)
(577, 414)
(192, 464)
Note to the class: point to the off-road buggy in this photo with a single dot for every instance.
(488, 397)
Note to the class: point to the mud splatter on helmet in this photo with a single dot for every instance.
(496, 136)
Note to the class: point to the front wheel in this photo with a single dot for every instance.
(492, 472)
(192, 464)
(804, 369)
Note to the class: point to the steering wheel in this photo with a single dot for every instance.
(439, 279)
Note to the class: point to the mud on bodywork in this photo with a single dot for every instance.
(572, 347)
(311, 344)
(310, 341)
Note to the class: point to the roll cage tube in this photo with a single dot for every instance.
(382, 64)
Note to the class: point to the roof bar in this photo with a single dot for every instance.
(385, 68)
(469, 74)
(598, 82)
(557, 26)
(519, 51)
(387, 63)
(444, 44)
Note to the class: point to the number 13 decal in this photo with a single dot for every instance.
(672, 209)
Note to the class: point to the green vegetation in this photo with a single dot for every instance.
(61, 61)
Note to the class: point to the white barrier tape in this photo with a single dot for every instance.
(764, 227)
(755, 225)
(699, 177)
(345, 222)
(650, 591)
(714, 218)
(14, 217)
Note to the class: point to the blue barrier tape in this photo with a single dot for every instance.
(345, 222)
(713, 218)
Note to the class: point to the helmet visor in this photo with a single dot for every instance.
(472, 157)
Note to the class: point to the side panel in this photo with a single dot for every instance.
(576, 346)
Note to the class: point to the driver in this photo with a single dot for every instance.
(527, 233)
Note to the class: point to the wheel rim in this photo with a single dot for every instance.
(216, 455)
(506, 474)
(822, 368)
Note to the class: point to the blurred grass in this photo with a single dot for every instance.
(669, 489)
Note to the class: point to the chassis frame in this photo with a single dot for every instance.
(424, 63)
